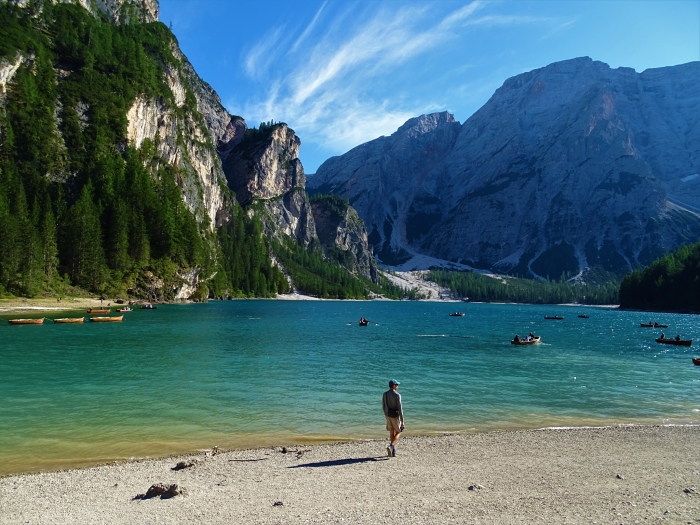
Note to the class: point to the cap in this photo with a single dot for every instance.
(394, 382)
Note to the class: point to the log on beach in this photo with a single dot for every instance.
(642, 474)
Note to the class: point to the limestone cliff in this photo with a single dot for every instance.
(117, 11)
(569, 166)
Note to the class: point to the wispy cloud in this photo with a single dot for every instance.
(329, 93)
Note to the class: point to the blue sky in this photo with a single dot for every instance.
(341, 73)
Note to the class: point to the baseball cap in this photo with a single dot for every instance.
(394, 382)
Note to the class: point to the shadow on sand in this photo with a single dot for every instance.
(341, 462)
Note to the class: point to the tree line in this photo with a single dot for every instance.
(479, 287)
(671, 283)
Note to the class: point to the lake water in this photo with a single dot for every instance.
(242, 374)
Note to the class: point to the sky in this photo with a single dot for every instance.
(343, 72)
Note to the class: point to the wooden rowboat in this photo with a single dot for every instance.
(98, 310)
(26, 321)
(457, 314)
(554, 317)
(583, 316)
(69, 320)
(653, 325)
(535, 340)
(676, 342)
(125, 309)
(696, 361)
(107, 319)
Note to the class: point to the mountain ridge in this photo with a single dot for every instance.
(565, 167)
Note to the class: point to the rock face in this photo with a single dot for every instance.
(115, 10)
(344, 236)
(266, 174)
(570, 166)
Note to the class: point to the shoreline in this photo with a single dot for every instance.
(551, 475)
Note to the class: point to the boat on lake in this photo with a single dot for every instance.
(554, 317)
(69, 320)
(676, 342)
(125, 309)
(653, 325)
(107, 319)
(533, 341)
(583, 316)
(457, 314)
(364, 322)
(696, 361)
(26, 321)
(98, 310)
(148, 307)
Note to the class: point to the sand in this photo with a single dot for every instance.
(639, 474)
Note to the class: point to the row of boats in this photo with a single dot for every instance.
(75, 320)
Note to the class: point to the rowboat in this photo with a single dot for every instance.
(148, 307)
(583, 316)
(554, 317)
(364, 322)
(653, 325)
(125, 309)
(696, 361)
(26, 321)
(69, 320)
(675, 342)
(98, 311)
(457, 314)
(106, 319)
(535, 340)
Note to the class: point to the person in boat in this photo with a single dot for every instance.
(532, 336)
(363, 320)
(516, 338)
(528, 339)
(678, 337)
(662, 336)
(393, 412)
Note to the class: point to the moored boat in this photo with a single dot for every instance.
(533, 341)
(676, 342)
(107, 319)
(98, 310)
(69, 320)
(26, 321)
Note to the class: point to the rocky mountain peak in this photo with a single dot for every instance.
(569, 166)
(116, 10)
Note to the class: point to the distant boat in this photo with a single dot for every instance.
(535, 340)
(69, 320)
(125, 309)
(107, 319)
(98, 310)
(554, 317)
(653, 325)
(364, 322)
(583, 316)
(26, 321)
(696, 361)
(676, 342)
(148, 307)
(457, 314)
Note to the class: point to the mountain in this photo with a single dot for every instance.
(121, 172)
(571, 166)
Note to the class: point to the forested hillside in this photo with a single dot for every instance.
(671, 283)
(83, 208)
(478, 287)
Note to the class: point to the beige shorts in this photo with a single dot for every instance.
(392, 423)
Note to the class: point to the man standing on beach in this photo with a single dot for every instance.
(393, 411)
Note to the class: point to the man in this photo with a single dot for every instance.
(393, 412)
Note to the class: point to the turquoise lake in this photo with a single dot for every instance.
(241, 374)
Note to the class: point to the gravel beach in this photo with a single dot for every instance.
(626, 474)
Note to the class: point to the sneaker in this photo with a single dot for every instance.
(388, 451)
(393, 452)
